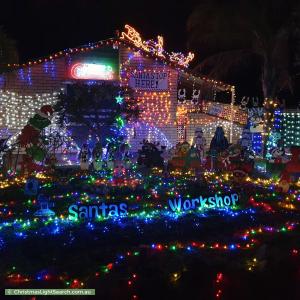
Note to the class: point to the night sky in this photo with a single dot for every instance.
(42, 27)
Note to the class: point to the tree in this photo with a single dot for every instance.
(96, 107)
(235, 34)
(8, 51)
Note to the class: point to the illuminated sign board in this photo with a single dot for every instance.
(92, 71)
(98, 64)
(96, 211)
(177, 205)
(149, 81)
(216, 201)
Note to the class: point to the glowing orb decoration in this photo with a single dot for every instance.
(92, 71)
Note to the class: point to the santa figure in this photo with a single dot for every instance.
(199, 143)
(84, 156)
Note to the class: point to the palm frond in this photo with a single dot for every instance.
(220, 64)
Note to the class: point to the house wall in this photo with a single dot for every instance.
(157, 109)
(41, 78)
(208, 124)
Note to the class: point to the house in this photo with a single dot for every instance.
(173, 101)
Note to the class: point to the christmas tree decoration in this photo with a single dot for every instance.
(271, 132)
(119, 99)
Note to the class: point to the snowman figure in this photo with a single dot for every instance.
(97, 157)
(84, 156)
(199, 143)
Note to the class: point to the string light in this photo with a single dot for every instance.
(155, 48)
(291, 129)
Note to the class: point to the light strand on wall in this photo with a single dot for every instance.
(16, 109)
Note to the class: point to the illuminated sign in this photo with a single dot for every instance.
(149, 81)
(199, 203)
(92, 71)
(96, 211)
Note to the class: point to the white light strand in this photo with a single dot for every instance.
(16, 109)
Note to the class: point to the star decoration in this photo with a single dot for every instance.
(119, 99)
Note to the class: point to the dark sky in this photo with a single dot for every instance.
(42, 27)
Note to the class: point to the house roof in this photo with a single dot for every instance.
(164, 57)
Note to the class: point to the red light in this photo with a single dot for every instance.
(92, 71)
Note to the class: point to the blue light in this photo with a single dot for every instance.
(29, 76)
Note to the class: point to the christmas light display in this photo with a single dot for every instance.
(257, 143)
(155, 47)
(137, 131)
(133, 224)
(147, 208)
(16, 109)
(291, 129)
(154, 96)
(92, 71)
